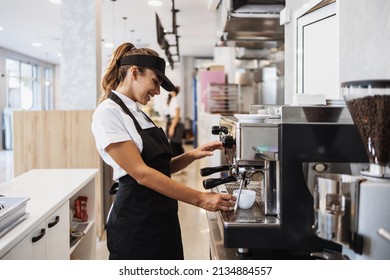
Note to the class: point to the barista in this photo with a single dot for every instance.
(143, 221)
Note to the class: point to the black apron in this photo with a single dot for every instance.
(143, 224)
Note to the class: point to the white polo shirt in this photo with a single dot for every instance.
(173, 105)
(110, 124)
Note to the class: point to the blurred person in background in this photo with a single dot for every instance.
(175, 128)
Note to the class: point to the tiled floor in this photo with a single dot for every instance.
(193, 220)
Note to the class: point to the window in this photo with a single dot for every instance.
(22, 85)
(47, 102)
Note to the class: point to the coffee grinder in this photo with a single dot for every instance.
(354, 211)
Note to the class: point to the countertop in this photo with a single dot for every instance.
(47, 189)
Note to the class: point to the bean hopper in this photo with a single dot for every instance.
(354, 211)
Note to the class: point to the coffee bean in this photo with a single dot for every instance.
(371, 115)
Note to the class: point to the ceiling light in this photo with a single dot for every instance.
(155, 3)
(55, 1)
(36, 44)
(1, 28)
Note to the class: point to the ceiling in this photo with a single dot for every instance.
(21, 27)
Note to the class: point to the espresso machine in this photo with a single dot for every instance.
(354, 211)
(279, 157)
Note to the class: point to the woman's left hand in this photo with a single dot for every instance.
(207, 149)
(182, 161)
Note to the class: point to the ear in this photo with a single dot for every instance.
(134, 72)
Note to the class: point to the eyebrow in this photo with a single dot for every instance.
(158, 79)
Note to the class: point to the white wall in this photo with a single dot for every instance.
(364, 40)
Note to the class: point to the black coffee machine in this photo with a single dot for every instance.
(301, 150)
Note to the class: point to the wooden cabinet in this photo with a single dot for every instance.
(45, 234)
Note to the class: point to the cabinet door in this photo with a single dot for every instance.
(7, 256)
(57, 237)
(32, 247)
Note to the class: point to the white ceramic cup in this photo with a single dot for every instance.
(247, 198)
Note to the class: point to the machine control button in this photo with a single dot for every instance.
(320, 167)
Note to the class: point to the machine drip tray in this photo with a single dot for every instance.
(253, 217)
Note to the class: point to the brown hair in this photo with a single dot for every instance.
(115, 74)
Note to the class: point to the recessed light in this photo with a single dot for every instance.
(55, 1)
(1, 28)
(155, 3)
(36, 44)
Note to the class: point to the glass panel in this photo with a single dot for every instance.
(37, 95)
(26, 87)
(13, 83)
(47, 91)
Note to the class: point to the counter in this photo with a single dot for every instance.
(50, 190)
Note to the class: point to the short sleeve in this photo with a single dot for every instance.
(111, 125)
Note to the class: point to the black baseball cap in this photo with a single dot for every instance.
(155, 63)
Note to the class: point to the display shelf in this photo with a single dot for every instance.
(223, 98)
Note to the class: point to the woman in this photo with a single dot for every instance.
(173, 124)
(143, 221)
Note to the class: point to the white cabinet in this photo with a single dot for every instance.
(32, 247)
(57, 234)
(49, 240)
(45, 234)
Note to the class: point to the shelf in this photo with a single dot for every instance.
(222, 98)
(86, 230)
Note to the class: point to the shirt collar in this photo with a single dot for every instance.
(128, 101)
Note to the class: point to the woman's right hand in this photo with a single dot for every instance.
(214, 201)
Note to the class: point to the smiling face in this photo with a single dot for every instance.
(147, 86)
(140, 86)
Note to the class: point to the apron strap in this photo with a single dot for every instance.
(114, 188)
(119, 101)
